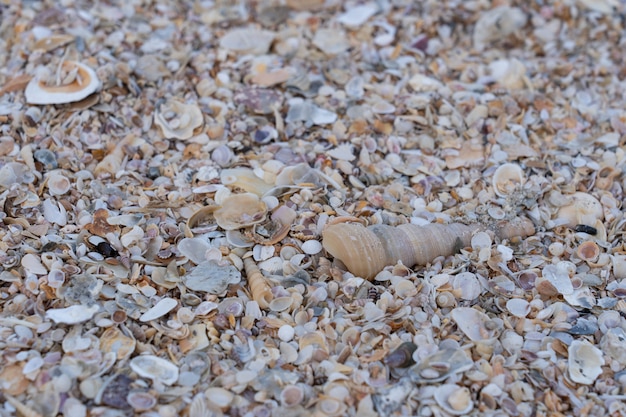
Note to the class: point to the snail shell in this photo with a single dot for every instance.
(365, 251)
(261, 292)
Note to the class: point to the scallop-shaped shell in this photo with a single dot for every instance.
(472, 322)
(80, 82)
(518, 307)
(440, 365)
(155, 368)
(240, 210)
(219, 397)
(584, 362)
(583, 208)
(178, 120)
(507, 179)
(454, 399)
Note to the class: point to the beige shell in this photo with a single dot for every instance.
(584, 362)
(588, 251)
(454, 399)
(178, 120)
(366, 251)
(507, 178)
(246, 179)
(606, 176)
(261, 291)
(583, 208)
(80, 82)
(240, 210)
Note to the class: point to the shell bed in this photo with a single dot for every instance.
(312, 208)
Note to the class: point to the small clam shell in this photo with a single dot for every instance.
(58, 184)
(402, 356)
(330, 406)
(507, 178)
(518, 307)
(219, 397)
(178, 120)
(588, 251)
(312, 247)
(155, 368)
(77, 88)
(454, 399)
(280, 304)
(240, 210)
(291, 396)
(585, 362)
(141, 401)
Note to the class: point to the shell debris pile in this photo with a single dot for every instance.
(312, 208)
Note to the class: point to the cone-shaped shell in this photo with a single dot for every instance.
(85, 83)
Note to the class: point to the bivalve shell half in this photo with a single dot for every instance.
(507, 178)
(584, 362)
(80, 81)
(178, 120)
(472, 322)
(240, 210)
(155, 368)
(454, 399)
(583, 208)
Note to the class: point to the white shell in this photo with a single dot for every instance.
(472, 322)
(518, 307)
(160, 309)
(583, 208)
(155, 368)
(86, 82)
(584, 362)
(454, 399)
(58, 184)
(178, 120)
(73, 314)
(219, 397)
(312, 247)
(194, 249)
(286, 333)
(212, 277)
(507, 178)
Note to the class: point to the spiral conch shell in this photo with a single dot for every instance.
(365, 251)
(261, 292)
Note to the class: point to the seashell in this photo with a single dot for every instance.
(389, 399)
(240, 210)
(161, 308)
(52, 42)
(588, 251)
(246, 179)
(280, 304)
(311, 247)
(178, 120)
(445, 299)
(618, 261)
(510, 73)
(141, 401)
(440, 365)
(584, 362)
(473, 323)
(605, 177)
(261, 291)
(454, 399)
(114, 341)
(248, 41)
(405, 288)
(219, 397)
(612, 344)
(518, 307)
(195, 249)
(507, 179)
(291, 395)
(330, 406)
(466, 285)
(402, 356)
(212, 277)
(155, 368)
(371, 249)
(497, 24)
(80, 82)
(72, 315)
(609, 320)
(47, 158)
(582, 208)
(286, 332)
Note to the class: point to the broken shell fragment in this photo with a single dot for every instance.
(472, 322)
(178, 120)
(583, 208)
(584, 362)
(212, 277)
(240, 210)
(440, 365)
(73, 314)
(155, 368)
(160, 309)
(78, 82)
